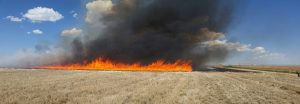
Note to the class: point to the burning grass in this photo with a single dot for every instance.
(105, 64)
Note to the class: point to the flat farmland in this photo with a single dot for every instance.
(32, 86)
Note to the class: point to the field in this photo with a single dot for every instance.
(107, 87)
(286, 69)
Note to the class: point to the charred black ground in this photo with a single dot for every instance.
(148, 30)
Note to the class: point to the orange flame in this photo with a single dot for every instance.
(102, 64)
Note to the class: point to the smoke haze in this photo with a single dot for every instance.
(130, 31)
(143, 31)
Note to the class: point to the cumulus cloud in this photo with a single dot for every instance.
(15, 19)
(37, 31)
(234, 46)
(259, 50)
(71, 32)
(40, 14)
(96, 9)
(74, 14)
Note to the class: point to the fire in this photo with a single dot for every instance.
(104, 64)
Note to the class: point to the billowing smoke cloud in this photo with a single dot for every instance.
(143, 31)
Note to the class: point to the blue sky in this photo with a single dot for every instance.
(14, 35)
(272, 24)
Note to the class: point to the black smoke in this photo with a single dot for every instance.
(148, 30)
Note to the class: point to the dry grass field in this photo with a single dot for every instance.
(290, 69)
(107, 87)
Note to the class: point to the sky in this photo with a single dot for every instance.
(271, 26)
(15, 35)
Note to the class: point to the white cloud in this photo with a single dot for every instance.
(75, 15)
(40, 14)
(96, 9)
(259, 50)
(71, 32)
(37, 31)
(15, 19)
(236, 46)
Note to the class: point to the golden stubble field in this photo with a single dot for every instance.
(107, 87)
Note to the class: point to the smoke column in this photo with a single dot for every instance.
(148, 30)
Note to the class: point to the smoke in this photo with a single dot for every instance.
(130, 31)
(42, 54)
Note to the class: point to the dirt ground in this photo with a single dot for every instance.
(106, 87)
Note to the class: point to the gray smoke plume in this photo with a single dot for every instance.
(147, 30)
(130, 31)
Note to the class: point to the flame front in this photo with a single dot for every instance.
(103, 64)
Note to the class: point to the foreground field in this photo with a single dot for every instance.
(58, 86)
